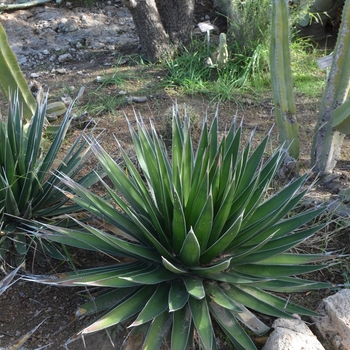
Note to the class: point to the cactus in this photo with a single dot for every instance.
(10, 7)
(12, 77)
(334, 116)
(281, 78)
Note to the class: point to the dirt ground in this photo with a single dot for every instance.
(26, 305)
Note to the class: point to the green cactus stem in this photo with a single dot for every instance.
(281, 78)
(12, 77)
(331, 128)
(4, 7)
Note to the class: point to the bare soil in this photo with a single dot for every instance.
(26, 305)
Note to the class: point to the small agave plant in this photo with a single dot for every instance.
(203, 240)
(28, 189)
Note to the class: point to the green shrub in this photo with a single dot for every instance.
(202, 236)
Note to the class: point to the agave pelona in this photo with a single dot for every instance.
(28, 188)
(203, 239)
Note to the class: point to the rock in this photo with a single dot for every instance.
(335, 325)
(61, 70)
(292, 334)
(34, 75)
(137, 99)
(65, 57)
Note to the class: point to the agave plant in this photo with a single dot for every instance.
(28, 190)
(202, 238)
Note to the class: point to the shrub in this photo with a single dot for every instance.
(201, 236)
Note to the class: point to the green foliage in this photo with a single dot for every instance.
(28, 190)
(249, 24)
(201, 237)
(191, 73)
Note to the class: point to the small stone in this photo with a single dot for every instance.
(53, 58)
(35, 75)
(61, 70)
(65, 57)
(80, 72)
(79, 45)
(22, 60)
(46, 52)
(122, 92)
(137, 99)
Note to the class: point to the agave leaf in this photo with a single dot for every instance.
(128, 248)
(223, 242)
(288, 225)
(276, 201)
(252, 166)
(172, 267)
(123, 311)
(213, 138)
(266, 175)
(249, 233)
(178, 296)
(165, 204)
(198, 177)
(250, 320)
(290, 258)
(5, 243)
(98, 205)
(212, 269)
(7, 281)
(158, 330)
(190, 251)
(220, 298)
(20, 243)
(155, 306)
(203, 226)
(247, 297)
(99, 279)
(193, 212)
(202, 321)
(200, 161)
(235, 277)
(155, 276)
(12, 77)
(178, 224)
(194, 286)
(140, 201)
(231, 327)
(340, 118)
(94, 241)
(275, 301)
(274, 246)
(136, 337)
(277, 270)
(291, 285)
(104, 301)
(177, 149)
(187, 166)
(181, 329)
(222, 213)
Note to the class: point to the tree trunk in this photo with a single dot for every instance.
(162, 25)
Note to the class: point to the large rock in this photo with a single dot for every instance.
(292, 334)
(334, 326)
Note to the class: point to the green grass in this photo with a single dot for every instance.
(188, 74)
(308, 78)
